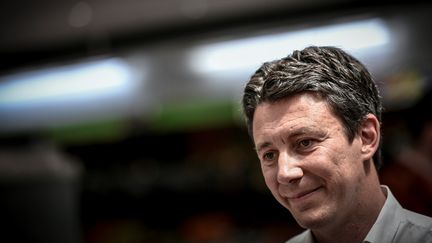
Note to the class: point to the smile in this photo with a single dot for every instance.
(303, 194)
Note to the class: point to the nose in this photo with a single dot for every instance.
(288, 169)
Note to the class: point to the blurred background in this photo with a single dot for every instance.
(120, 121)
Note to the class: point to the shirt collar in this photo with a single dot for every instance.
(384, 228)
(306, 237)
(387, 223)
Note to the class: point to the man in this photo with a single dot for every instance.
(315, 118)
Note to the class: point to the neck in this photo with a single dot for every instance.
(358, 223)
(352, 232)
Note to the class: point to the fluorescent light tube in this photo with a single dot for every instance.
(238, 55)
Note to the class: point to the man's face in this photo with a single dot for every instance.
(307, 161)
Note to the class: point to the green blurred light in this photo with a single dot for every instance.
(191, 115)
(101, 131)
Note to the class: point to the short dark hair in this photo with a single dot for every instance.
(336, 76)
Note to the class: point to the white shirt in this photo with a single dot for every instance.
(393, 225)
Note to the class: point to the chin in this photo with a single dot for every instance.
(312, 220)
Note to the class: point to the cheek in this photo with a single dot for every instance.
(345, 168)
(270, 177)
(321, 164)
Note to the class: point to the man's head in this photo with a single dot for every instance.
(337, 77)
(315, 121)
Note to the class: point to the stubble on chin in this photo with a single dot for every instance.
(313, 219)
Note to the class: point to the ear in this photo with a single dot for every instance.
(370, 136)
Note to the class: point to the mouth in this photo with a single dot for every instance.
(303, 194)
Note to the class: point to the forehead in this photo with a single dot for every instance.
(298, 112)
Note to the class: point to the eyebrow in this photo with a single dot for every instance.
(302, 131)
(262, 146)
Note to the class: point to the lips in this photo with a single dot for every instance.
(302, 194)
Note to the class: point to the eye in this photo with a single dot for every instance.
(305, 144)
(269, 156)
